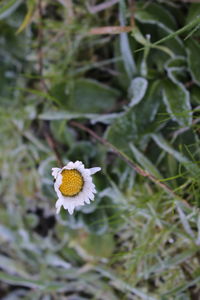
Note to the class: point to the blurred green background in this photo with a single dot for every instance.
(139, 90)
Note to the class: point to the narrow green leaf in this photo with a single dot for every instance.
(40, 94)
(122, 285)
(8, 7)
(146, 110)
(182, 287)
(157, 15)
(12, 266)
(144, 161)
(31, 5)
(179, 31)
(177, 101)
(91, 96)
(137, 35)
(96, 222)
(137, 90)
(194, 11)
(176, 33)
(7, 235)
(166, 264)
(126, 52)
(19, 281)
(123, 131)
(176, 67)
(97, 245)
(193, 51)
(66, 115)
(184, 221)
(188, 164)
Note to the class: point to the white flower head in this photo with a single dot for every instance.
(73, 185)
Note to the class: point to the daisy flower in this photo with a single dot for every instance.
(73, 185)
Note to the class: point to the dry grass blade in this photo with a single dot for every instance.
(111, 30)
(102, 6)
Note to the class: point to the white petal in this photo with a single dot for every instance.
(94, 170)
(87, 200)
(91, 196)
(78, 164)
(70, 210)
(70, 165)
(55, 172)
(58, 205)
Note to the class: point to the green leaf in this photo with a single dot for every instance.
(176, 62)
(177, 68)
(194, 11)
(7, 235)
(31, 5)
(157, 15)
(91, 96)
(66, 115)
(137, 90)
(84, 150)
(137, 35)
(137, 121)
(177, 101)
(144, 161)
(126, 52)
(12, 266)
(122, 77)
(183, 287)
(123, 131)
(8, 7)
(193, 51)
(195, 95)
(36, 141)
(19, 281)
(166, 264)
(62, 133)
(95, 245)
(100, 246)
(146, 110)
(123, 285)
(32, 220)
(35, 284)
(188, 164)
(85, 96)
(96, 222)
(55, 260)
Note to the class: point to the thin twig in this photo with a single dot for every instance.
(135, 167)
(102, 6)
(111, 30)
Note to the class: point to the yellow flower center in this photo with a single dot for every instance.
(72, 183)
